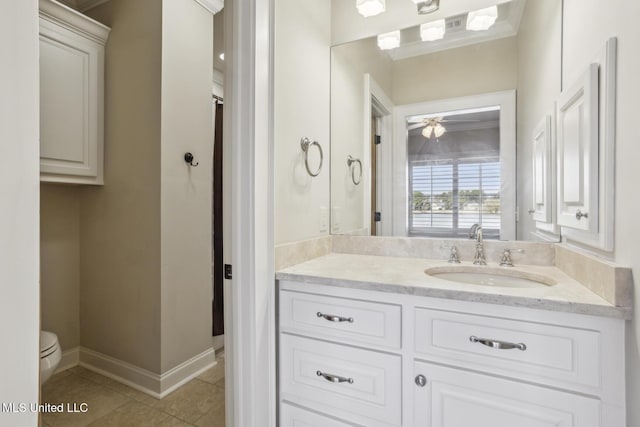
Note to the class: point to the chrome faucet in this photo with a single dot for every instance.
(453, 253)
(475, 232)
(506, 261)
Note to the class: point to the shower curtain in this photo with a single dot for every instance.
(218, 264)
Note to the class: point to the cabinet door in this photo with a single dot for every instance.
(294, 416)
(456, 398)
(577, 115)
(542, 173)
(71, 92)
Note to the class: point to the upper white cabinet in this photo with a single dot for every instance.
(586, 121)
(577, 115)
(543, 203)
(71, 95)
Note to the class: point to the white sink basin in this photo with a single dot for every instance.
(490, 276)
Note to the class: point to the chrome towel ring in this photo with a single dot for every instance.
(350, 161)
(306, 144)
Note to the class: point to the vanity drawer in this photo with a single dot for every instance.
(343, 319)
(293, 416)
(554, 354)
(348, 380)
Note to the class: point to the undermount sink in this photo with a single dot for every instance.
(490, 276)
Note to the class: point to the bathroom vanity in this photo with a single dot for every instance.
(375, 341)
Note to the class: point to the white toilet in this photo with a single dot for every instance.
(50, 355)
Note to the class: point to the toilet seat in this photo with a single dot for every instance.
(48, 343)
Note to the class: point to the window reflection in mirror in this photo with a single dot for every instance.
(453, 160)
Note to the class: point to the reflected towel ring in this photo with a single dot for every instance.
(305, 143)
(350, 161)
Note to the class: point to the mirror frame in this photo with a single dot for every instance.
(506, 100)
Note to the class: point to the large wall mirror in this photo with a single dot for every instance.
(433, 126)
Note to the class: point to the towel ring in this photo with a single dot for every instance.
(306, 144)
(350, 161)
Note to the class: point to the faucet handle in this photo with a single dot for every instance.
(506, 260)
(453, 254)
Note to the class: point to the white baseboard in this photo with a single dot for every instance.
(148, 382)
(70, 358)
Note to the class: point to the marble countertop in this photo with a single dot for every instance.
(407, 276)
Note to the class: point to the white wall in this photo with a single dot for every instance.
(19, 223)
(587, 25)
(301, 108)
(538, 50)
(186, 192)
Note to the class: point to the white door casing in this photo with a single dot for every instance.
(248, 214)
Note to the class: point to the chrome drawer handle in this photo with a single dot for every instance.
(580, 215)
(334, 378)
(332, 318)
(500, 345)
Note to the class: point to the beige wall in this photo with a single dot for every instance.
(349, 63)
(187, 74)
(539, 47)
(587, 26)
(469, 70)
(60, 262)
(120, 222)
(301, 105)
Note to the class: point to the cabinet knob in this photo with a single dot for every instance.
(580, 215)
(421, 380)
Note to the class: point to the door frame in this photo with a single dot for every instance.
(250, 348)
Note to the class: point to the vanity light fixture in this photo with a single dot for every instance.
(389, 41)
(427, 6)
(432, 31)
(369, 8)
(482, 19)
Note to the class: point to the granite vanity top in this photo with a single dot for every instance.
(407, 276)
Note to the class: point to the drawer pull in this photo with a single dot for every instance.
(500, 345)
(334, 378)
(332, 318)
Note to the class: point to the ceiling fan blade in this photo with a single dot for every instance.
(416, 126)
(459, 121)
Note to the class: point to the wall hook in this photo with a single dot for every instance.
(188, 157)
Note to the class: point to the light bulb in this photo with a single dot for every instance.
(439, 130)
(482, 19)
(369, 8)
(390, 40)
(427, 131)
(432, 31)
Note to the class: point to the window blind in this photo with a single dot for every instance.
(448, 196)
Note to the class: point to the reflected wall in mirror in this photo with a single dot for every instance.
(427, 123)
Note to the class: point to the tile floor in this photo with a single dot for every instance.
(198, 403)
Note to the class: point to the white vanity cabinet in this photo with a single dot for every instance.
(354, 357)
(71, 95)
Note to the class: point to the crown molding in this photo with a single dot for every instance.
(213, 6)
(63, 15)
(84, 5)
